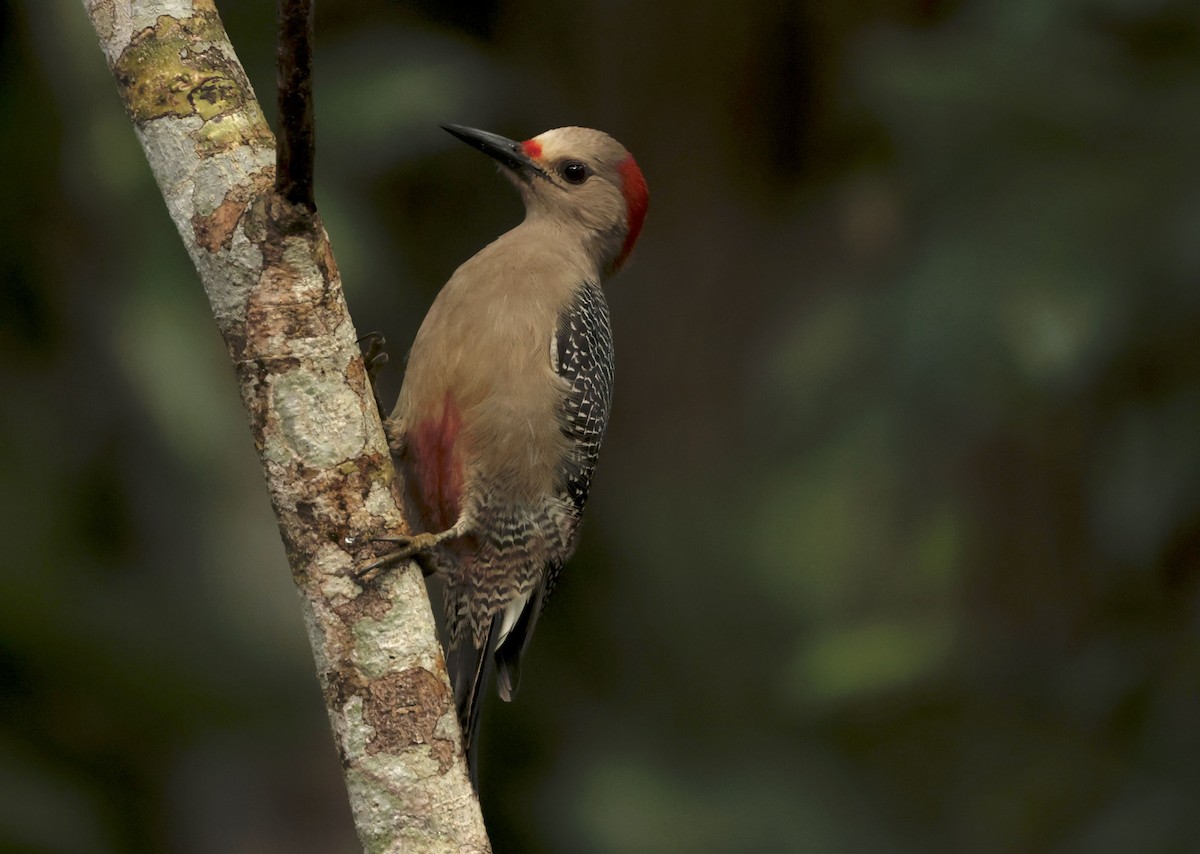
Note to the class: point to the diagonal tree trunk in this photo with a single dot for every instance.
(265, 262)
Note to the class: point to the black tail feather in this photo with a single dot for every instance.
(470, 669)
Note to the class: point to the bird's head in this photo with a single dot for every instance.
(582, 179)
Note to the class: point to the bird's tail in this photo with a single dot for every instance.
(470, 669)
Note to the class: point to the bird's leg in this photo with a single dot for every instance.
(418, 547)
(425, 560)
(374, 358)
(411, 544)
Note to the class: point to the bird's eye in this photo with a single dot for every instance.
(574, 172)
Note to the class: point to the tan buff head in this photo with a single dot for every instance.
(582, 180)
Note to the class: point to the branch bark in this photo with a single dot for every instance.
(266, 265)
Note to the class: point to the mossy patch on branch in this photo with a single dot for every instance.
(175, 69)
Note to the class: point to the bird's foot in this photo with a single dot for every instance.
(373, 354)
(417, 547)
(374, 358)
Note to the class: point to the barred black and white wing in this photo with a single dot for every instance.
(584, 350)
(582, 354)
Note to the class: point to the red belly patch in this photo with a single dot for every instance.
(438, 465)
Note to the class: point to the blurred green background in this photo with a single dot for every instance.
(895, 545)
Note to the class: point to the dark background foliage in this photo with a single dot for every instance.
(895, 545)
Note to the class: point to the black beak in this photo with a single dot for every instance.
(507, 152)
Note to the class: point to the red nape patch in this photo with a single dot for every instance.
(637, 200)
(533, 148)
(438, 466)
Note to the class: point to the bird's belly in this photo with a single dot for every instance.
(513, 541)
(434, 466)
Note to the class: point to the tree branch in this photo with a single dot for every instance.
(266, 265)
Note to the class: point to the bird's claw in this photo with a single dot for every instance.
(416, 546)
(374, 358)
(373, 354)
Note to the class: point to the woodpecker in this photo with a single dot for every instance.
(506, 398)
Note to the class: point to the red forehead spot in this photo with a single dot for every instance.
(533, 148)
(637, 199)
